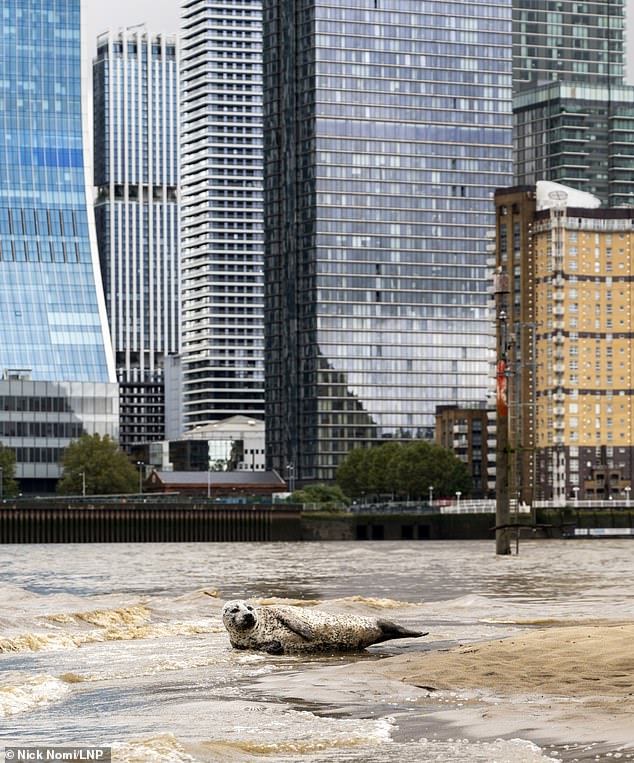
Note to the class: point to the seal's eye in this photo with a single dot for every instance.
(250, 609)
(234, 610)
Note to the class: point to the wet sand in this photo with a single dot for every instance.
(556, 684)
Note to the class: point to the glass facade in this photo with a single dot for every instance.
(38, 420)
(56, 360)
(387, 125)
(571, 104)
(568, 40)
(577, 134)
(221, 209)
(52, 317)
(136, 133)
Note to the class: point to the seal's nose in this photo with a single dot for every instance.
(249, 619)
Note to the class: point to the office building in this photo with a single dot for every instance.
(233, 444)
(565, 321)
(387, 127)
(56, 365)
(136, 134)
(221, 212)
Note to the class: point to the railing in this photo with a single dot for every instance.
(602, 532)
(571, 503)
(484, 506)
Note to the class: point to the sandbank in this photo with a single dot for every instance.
(559, 684)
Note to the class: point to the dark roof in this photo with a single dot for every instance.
(219, 478)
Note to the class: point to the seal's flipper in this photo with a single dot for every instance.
(296, 625)
(393, 630)
(274, 647)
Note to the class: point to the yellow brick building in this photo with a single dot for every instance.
(571, 282)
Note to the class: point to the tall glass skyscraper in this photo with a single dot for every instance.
(221, 209)
(136, 134)
(55, 358)
(387, 127)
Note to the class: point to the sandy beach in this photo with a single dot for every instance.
(559, 683)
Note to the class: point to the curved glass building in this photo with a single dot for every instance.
(56, 361)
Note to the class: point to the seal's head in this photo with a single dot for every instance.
(238, 616)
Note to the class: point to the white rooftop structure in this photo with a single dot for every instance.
(551, 194)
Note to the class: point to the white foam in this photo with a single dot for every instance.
(163, 748)
(22, 693)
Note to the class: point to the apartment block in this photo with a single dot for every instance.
(568, 319)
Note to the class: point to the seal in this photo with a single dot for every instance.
(297, 630)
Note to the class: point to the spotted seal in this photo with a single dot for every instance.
(298, 630)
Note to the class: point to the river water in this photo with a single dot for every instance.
(119, 645)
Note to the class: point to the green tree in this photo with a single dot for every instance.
(405, 470)
(99, 461)
(424, 464)
(383, 469)
(10, 486)
(328, 497)
(353, 472)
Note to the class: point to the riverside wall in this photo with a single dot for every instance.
(149, 520)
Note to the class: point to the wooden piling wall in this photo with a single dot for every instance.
(145, 523)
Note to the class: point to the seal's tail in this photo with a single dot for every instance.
(394, 630)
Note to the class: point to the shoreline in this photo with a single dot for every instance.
(560, 685)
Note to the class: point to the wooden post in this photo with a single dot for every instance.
(503, 461)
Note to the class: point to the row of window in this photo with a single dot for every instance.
(61, 429)
(37, 404)
(43, 222)
(38, 455)
(411, 11)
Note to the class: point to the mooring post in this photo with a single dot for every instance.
(503, 461)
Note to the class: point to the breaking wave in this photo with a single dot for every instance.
(378, 603)
(122, 624)
(163, 748)
(25, 692)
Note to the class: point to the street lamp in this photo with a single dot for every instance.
(290, 469)
(575, 490)
(458, 494)
(140, 464)
(627, 489)
(431, 495)
(83, 483)
(208, 481)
